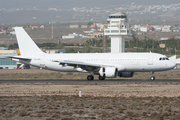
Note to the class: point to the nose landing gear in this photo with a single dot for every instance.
(152, 76)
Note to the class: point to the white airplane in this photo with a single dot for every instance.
(106, 65)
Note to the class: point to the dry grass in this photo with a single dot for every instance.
(124, 108)
(22, 112)
(47, 74)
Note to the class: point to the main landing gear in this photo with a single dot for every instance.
(101, 77)
(90, 77)
(152, 76)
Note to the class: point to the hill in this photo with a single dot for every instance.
(65, 4)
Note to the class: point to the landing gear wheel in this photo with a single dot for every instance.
(152, 78)
(101, 78)
(90, 77)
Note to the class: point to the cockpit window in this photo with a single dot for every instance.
(165, 58)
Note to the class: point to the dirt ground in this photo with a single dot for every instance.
(124, 101)
(88, 107)
(101, 101)
(92, 89)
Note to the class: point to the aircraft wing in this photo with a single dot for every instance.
(82, 65)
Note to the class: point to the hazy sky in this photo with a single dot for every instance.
(15, 16)
(77, 3)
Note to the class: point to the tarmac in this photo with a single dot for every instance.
(97, 81)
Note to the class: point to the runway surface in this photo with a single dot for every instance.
(86, 81)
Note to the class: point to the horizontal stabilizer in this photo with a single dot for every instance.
(19, 57)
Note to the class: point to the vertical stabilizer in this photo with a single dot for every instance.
(26, 44)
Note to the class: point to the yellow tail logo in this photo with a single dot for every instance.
(18, 52)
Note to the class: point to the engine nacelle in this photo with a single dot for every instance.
(109, 72)
(126, 74)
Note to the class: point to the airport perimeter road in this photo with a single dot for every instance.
(86, 81)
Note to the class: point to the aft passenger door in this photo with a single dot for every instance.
(42, 63)
(150, 59)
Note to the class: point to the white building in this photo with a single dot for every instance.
(72, 36)
(166, 28)
(74, 26)
(91, 31)
(157, 28)
(84, 26)
(13, 33)
(165, 38)
(143, 29)
(117, 29)
(68, 37)
(42, 26)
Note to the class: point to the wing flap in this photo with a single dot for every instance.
(80, 64)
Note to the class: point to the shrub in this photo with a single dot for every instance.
(22, 112)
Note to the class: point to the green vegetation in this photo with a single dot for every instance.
(69, 97)
(11, 47)
(166, 108)
(146, 45)
(1, 45)
(97, 42)
(46, 44)
(134, 45)
(90, 23)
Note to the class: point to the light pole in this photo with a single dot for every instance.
(52, 31)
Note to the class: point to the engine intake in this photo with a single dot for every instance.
(109, 72)
(126, 74)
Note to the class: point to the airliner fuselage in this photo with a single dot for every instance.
(124, 62)
(108, 65)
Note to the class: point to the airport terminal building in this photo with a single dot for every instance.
(6, 63)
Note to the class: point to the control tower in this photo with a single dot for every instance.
(117, 30)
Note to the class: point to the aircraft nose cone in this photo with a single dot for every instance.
(172, 65)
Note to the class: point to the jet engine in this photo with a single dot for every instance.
(109, 72)
(126, 74)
